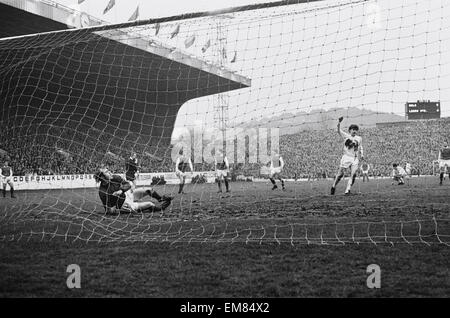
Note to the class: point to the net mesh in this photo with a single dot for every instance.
(258, 80)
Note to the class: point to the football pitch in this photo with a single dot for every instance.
(252, 242)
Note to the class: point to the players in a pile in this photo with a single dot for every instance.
(398, 174)
(132, 169)
(181, 166)
(444, 161)
(276, 169)
(115, 194)
(353, 153)
(222, 168)
(6, 174)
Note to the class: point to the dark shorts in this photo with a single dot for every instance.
(130, 177)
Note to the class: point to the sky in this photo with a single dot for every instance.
(374, 55)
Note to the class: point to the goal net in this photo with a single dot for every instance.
(252, 81)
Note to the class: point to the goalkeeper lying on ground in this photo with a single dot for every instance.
(116, 194)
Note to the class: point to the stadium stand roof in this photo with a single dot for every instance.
(102, 78)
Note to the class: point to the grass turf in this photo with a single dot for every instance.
(45, 231)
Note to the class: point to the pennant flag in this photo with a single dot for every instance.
(175, 32)
(80, 1)
(189, 41)
(157, 26)
(135, 15)
(206, 46)
(234, 57)
(111, 4)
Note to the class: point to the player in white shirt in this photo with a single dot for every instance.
(408, 169)
(6, 174)
(222, 168)
(353, 153)
(365, 167)
(276, 168)
(444, 161)
(181, 165)
(398, 174)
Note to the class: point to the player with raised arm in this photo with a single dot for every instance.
(132, 169)
(222, 167)
(276, 168)
(6, 174)
(398, 174)
(444, 161)
(365, 167)
(115, 194)
(353, 153)
(181, 165)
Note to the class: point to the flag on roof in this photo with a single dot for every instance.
(206, 46)
(111, 4)
(189, 41)
(234, 57)
(175, 31)
(135, 15)
(157, 26)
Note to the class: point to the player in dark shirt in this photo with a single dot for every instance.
(132, 169)
(444, 161)
(222, 167)
(115, 194)
(181, 165)
(6, 177)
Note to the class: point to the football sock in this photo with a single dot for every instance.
(336, 180)
(441, 176)
(154, 194)
(273, 181)
(349, 185)
(181, 188)
(353, 179)
(227, 185)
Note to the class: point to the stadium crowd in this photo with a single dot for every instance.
(307, 154)
(317, 153)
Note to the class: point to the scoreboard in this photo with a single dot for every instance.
(422, 110)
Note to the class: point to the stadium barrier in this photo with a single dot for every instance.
(73, 181)
(76, 181)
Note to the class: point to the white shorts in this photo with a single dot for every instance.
(221, 173)
(347, 162)
(129, 203)
(275, 172)
(408, 172)
(444, 163)
(180, 174)
(6, 180)
(365, 172)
